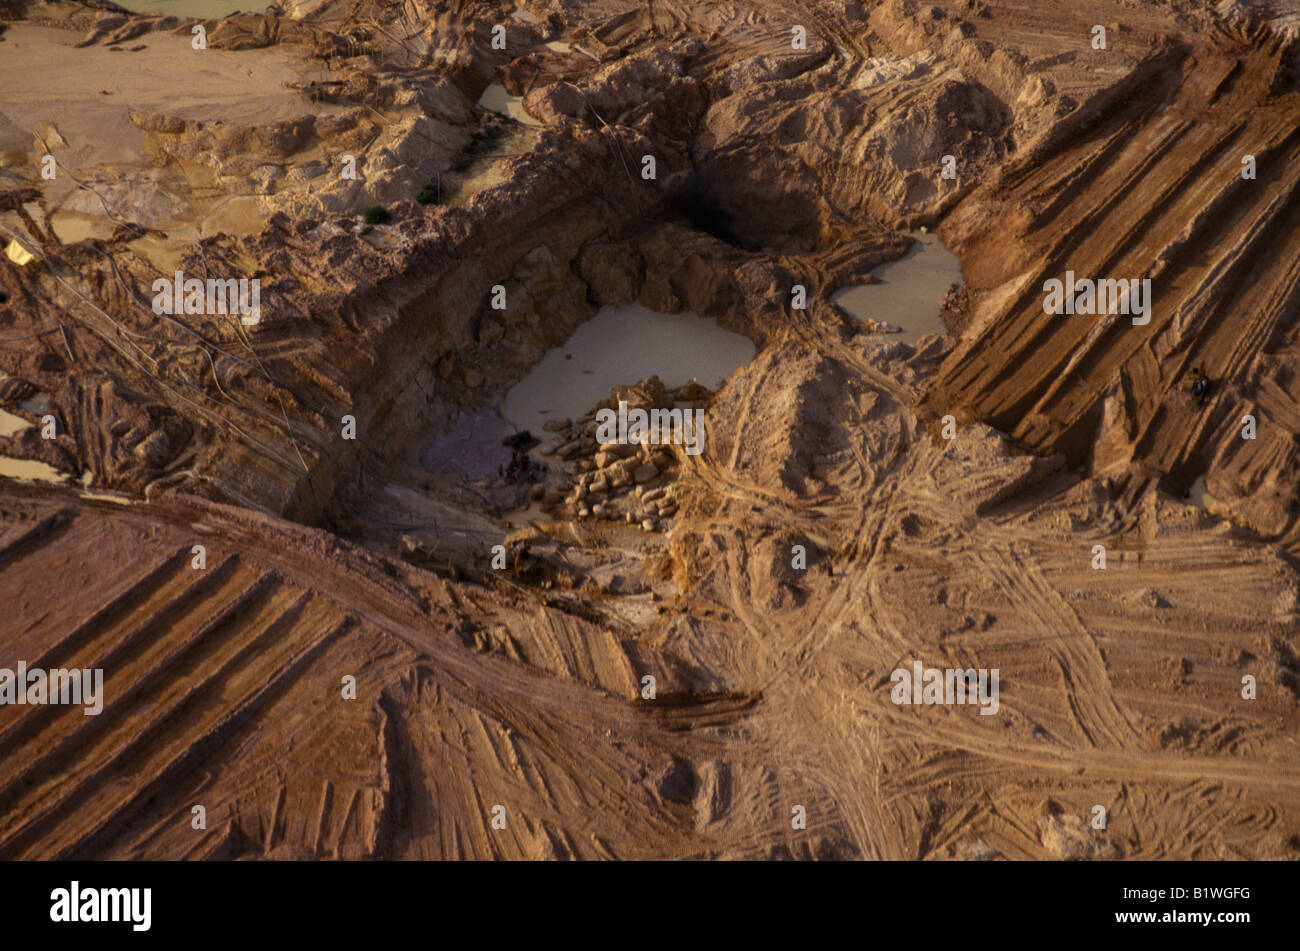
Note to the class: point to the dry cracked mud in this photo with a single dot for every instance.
(362, 510)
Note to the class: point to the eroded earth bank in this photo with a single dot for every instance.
(433, 197)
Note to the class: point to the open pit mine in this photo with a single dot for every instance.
(650, 429)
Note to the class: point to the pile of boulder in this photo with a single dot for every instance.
(635, 483)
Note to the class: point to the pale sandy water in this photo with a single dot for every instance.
(558, 46)
(911, 291)
(28, 470)
(497, 99)
(624, 344)
(25, 470)
(38, 403)
(10, 424)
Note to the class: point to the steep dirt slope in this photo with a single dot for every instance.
(224, 689)
(1150, 186)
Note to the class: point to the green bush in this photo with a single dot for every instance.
(376, 215)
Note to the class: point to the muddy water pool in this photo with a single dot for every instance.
(910, 292)
(497, 99)
(624, 344)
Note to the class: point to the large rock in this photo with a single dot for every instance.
(646, 472)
